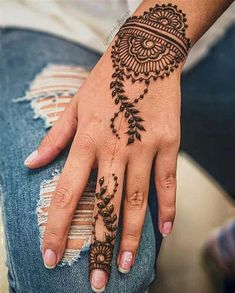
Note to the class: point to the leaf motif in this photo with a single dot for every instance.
(109, 227)
(127, 115)
(101, 205)
(105, 213)
(124, 98)
(138, 136)
(98, 195)
(131, 126)
(131, 131)
(114, 218)
(138, 119)
(108, 237)
(114, 228)
(122, 108)
(140, 127)
(119, 83)
(103, 190)
(120, 90)
(114, 93)
(110, 208)
(107, 199)
(112, 84)
(107, 222)
(101, 181)
(134, 111)
(130, 140)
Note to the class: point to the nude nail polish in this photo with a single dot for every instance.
(167, 227)
(125, 262)
(31, 157)
(98, 280)
(49, 259)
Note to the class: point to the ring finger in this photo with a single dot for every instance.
(136, 194)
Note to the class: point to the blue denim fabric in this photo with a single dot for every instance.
(22, 56)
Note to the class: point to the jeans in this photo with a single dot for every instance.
(23, 55)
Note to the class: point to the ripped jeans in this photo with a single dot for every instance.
(39, 76)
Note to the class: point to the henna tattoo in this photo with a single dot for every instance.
(101, 252)
(147, 48)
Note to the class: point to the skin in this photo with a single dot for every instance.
(85, 124)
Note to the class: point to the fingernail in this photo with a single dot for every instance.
(98, 280)
(49, 259)
(125, 262)
(166, 230)
(31, 157)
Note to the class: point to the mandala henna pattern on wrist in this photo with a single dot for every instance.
(101, 252)
(146, 48)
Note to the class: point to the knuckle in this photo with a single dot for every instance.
(51, 237)
(148, 146)
(62, 197)
(49, 140)
(169, 136)
(132, 239)
(170, 139)
(86, 142)
(168, 181)
(168, 212)
(111, 146)
(136, 199)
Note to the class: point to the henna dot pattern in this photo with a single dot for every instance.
(147, 47)
(101, 252)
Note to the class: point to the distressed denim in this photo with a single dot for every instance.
(23, 55)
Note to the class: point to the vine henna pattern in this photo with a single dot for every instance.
(101, 252)
(147, 48)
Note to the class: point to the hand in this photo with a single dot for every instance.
(121, 121)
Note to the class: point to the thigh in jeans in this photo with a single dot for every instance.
(39, 76)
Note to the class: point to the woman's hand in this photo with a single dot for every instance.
(86, 122)
(125, 116)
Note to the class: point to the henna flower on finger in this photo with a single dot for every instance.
(101, 256)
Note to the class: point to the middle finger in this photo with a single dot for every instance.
(107, 206)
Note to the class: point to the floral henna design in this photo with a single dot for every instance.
(147, 48)
(101, 252)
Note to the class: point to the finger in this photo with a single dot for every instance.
(56, 139)
(165, 181)
(135, 204)
(64, 201)
(107, 206)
